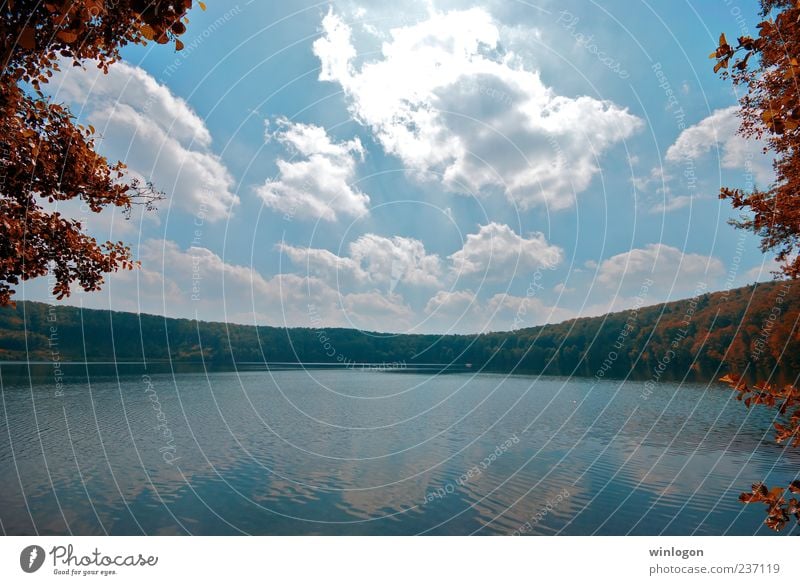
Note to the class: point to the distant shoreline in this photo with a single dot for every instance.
(698, 339)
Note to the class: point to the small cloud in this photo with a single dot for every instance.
(373, 260)
(672, 203)
(671, 271)
(719, 132)
(320, 184)
(496, 251)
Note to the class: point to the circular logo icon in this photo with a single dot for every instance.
(31, 558)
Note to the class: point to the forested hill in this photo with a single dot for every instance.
(704, 337)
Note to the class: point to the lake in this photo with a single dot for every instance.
(379, 452)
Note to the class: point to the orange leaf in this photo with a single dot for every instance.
(776, 492)
(67, 36)
(27, 38)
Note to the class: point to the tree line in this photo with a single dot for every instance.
(751, 330)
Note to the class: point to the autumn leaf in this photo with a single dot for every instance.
(67, 36)
(27, 38)
(147, 32)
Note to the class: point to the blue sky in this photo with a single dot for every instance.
(425, 166)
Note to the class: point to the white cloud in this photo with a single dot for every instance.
(372, 260)
(195, 181)
(325, 264)
(397, 259)
(672, 203)
(461, 311)
(451, 302)
(759, 274)
(658, 175)
(671, 271)
(319, 185)
(128, 85)
(447, 100)
(378, 312)
(505, 312)
(154, 132)
(763, 272)
(719, 131)
(680, 180)
(499, 253)
(495, 252)
(562, 288)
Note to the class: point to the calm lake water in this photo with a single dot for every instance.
(360, 452)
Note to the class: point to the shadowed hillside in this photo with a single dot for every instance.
(701, 338)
